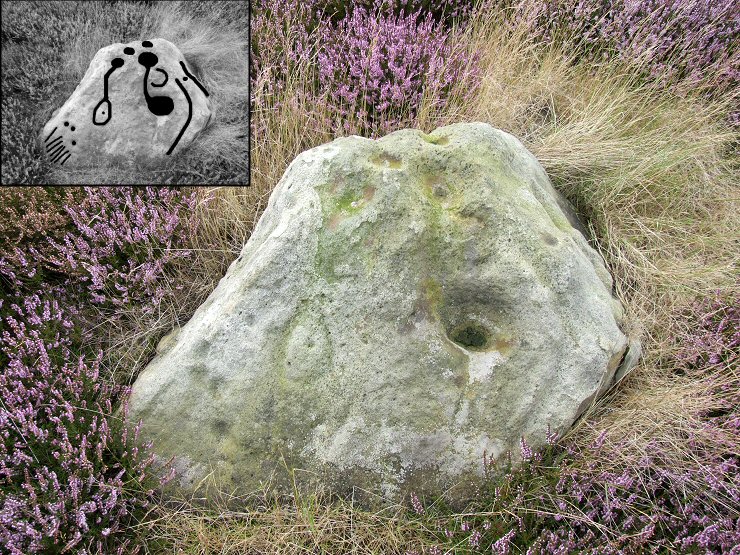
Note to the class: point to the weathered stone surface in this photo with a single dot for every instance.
(403, 306)
(138, 102)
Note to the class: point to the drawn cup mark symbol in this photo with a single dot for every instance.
(103, 111)
(158, 105)
(56, 149)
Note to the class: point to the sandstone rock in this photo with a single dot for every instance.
(138, 102)
(403, 306)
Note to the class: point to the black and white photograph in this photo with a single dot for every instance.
(101, 92)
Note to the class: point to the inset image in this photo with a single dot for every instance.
(134, 92)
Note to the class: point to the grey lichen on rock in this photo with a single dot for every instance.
(403, 306)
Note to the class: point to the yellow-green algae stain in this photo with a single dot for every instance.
(386, 160)
(440, 140)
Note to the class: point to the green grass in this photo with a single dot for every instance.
(48, 45)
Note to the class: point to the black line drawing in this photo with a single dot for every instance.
(57, 153)
(53, 147)
(190, 115)
(56, 149)
(54, 143)
(158, 105)
(166, 78)
(58, 156)
(104, 108)
(185, 69)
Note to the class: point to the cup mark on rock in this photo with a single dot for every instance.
(387, 161)
(549, 238)
(220, 426)
(471, 336)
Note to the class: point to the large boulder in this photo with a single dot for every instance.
(404, 306)
(139, 102)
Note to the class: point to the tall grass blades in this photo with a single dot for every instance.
(694, 41)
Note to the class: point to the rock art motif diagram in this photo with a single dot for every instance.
(56, 149)
(138, 100)
(103, 110)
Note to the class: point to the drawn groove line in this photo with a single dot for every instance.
(163, 83)
(55, 147)
(50, 134)
(58, 154)
(195, 80)
(53, 144)
(66, 157)
(190, 115)
(56, 151)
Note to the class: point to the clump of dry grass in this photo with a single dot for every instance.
(284, 121)
(269, 524)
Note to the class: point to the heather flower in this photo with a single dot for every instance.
(418, 507)
(715, 342)
(281, 38)
(122, 242)
(373, 63)
(525, 449)
(72, 475)
(65, 470)
(374, 67)
(502, 545)
(474, 539)
(669, 41)
(111, 246)
(443, 11)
